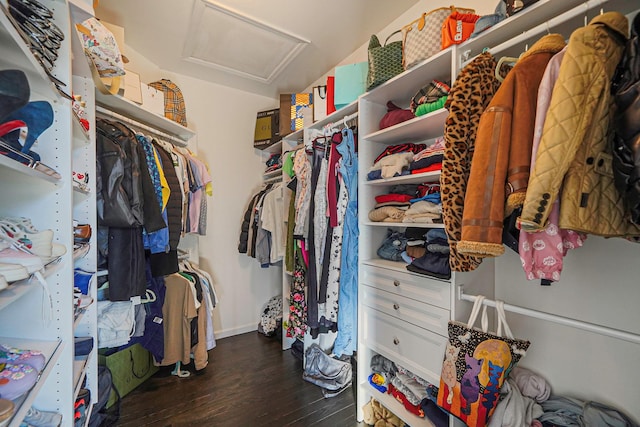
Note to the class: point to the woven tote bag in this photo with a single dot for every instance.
(385, 61)
(422, 38)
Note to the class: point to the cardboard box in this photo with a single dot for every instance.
(267, 131)
(152, 99)
(132, 89)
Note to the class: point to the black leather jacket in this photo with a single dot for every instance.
(123, 184)
(626, 145)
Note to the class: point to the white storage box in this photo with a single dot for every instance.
(152, 99)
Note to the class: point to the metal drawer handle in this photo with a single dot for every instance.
(396, 282)
(396, 341)
(396, 306)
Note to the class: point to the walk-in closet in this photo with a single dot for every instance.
(363, 213)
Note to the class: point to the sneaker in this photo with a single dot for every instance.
(81, 233)
(29, 261)
(4, 284)
(16, 380)
(40, 243)
(13, 272)
(38, 418)
(28, 357)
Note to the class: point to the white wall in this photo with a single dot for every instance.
(599, 284)
(224, 120)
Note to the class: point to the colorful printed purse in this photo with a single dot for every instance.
(422, 38)
(476, 364)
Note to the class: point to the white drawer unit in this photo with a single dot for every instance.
(422, 288)
(409, 310)
(415, 348)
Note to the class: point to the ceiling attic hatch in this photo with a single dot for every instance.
(218, 36)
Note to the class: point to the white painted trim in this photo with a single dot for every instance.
(225, 333)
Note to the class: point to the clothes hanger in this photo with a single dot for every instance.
(501, 61)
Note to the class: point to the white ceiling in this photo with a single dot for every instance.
(159, 30)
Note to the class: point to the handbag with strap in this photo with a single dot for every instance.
(422, 38)
(476, 364)
(385, 62)
(332, 375)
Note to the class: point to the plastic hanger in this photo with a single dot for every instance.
(501, 61)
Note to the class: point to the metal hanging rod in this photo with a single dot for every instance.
(342, 121)
(140, 126)
(566, 321)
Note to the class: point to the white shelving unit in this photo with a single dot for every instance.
(27, 319)
(403, 316)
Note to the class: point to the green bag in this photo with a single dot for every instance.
(385, 61)
(129, 368)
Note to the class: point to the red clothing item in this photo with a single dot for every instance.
(384, 198)
(415, 410)
(434, 167)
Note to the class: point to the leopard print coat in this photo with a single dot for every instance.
(470, 95)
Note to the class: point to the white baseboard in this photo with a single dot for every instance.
(224, 333)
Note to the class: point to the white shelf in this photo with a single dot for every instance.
(6, 162)
(17, 289)
(419, 178)
(79, 372)
(402, 224)
(336, 116)
(272, 174)
(81, 191)
(396, 407)
(136, 112)
(421, 128)
(51, 351)
(274, 148)
(402, 87)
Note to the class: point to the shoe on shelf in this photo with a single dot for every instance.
(4, 283)
(38, 418)
(81, 232)
(16, 380)
(82, 346)
(39, 243)
(80, 300)
(29, 261)
(16, 356)
(13, 272)
(38, 115)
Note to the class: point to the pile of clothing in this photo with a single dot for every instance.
(417, 395)
(409, 203)
(407, 159)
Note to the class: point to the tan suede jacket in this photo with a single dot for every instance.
(502, 158)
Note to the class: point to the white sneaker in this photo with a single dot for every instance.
(37, 418)
(39, 243)
(31, 262)
(4, 284)
(13, 272)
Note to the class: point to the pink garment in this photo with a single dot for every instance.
(542, 252)
(332, 186)
(536, 423)
(436, 148)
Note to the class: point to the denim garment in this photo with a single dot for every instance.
(346, 339)
(488, 21)
(393, 246)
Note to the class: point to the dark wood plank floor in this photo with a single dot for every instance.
(249, 382)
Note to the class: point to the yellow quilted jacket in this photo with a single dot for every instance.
(575, 149)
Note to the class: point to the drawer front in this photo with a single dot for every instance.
(422, 288)
(415, 312)
(414, 348)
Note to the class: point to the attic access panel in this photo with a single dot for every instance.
(230, 41)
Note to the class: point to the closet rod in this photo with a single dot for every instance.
(112, 114)
(342, 120)
(581, 9)
(566, 321)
